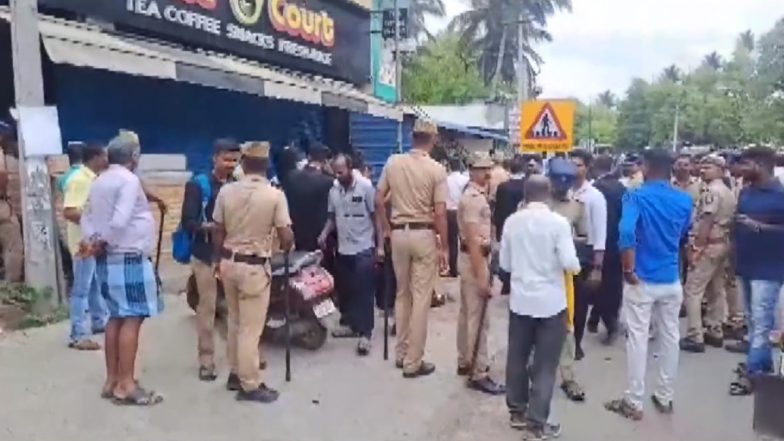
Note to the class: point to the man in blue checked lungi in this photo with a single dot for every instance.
(119, 230)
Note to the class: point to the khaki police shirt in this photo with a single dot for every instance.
(498, 175)
(717, 199)
(416, 183)
(574, 212)
(693, 188)
(250, 210)
(474, 208)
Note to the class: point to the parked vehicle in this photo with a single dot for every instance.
(310, 300)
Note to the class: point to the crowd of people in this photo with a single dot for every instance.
(632, 243)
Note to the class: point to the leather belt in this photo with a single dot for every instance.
(413, 226)
(485, 249)
(250, 259)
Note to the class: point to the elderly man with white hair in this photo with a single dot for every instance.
(119, 230)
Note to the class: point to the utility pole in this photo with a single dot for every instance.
(522, 74)
(675, 127)
(590, 124)
(37, 214)
(398, 77)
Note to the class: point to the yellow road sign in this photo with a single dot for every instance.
(547, 126)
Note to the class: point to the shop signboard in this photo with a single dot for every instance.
(325, 37)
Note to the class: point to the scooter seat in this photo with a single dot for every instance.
(297, 261)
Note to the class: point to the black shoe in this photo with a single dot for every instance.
(690, 345)
(661, 407)
(712, 340)
(578, 353)
(261, 395)
(487, 385)
(517, 420)
(738, 347)
(233, 383)
(425, 369)
(463, 370)
(610, 338)
(207, 373)
(399, 364)
(593, 327)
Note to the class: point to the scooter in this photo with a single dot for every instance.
(310, 289)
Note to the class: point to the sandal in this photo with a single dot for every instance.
(740, 369)
(742, 387)
(85, 345)
(344, 332)
(573, 391)
(207, 374)
(624, 409)
(139, 397)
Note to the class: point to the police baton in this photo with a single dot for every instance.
(475, 352)
(160, 241)
(287, 313)
(385, 300)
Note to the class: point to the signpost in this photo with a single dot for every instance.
(547, 126)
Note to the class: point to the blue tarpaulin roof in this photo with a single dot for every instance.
(480, 133)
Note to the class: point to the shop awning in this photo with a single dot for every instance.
(85, 45)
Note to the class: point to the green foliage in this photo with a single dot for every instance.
(598, 122)
(30, 300)
(441, 73)
(724, 103)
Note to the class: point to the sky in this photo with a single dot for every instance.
(603, 44)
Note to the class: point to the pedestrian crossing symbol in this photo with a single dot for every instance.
(547, 126)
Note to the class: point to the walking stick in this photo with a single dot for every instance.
(160, 240)
(387, 288)
(475, 352)
(287, 313)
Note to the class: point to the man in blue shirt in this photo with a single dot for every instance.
(759, 239)
(654, 219)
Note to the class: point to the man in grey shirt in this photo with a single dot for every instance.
(351, 214)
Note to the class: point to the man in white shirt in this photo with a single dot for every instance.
(537, 250)
(456, 182)
(592, 258)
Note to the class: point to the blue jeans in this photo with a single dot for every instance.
(358, 285)
(88, 309)
(761, 298)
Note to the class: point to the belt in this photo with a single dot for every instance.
(250, 259)
(413, 226)
(485, 249)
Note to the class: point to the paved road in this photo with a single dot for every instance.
(50, 393)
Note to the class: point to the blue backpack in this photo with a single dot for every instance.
(182, 240)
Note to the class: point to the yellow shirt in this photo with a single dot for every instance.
(75, 195)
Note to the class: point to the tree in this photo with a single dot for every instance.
(489, 28)
(442, 73)
(672, 73)
(607, 99)
(634, 118)
(746, 40)
(419, 11)
(598, 123)
(713, 61)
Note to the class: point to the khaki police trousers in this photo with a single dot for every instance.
(247, 289)
(736, 312)
(706, 278)
(207, 286)
(415, 258)
(469, 318)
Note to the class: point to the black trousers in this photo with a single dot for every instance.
(607, 299)
(357, 285)
(454, 245)
(529, 389)
(582, 303)
(386, 283)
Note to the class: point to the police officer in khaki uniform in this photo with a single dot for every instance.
(474, 226)
(708, 258)
(416, 186)
(563, 175)
(248, 214)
